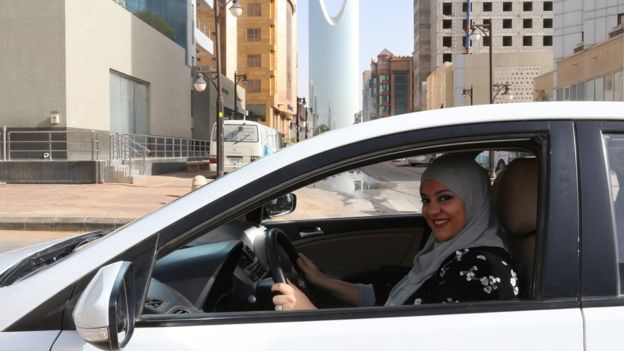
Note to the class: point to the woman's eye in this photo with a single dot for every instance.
(445, 198)
(424, 201)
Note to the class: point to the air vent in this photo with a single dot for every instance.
(616, 31)
(179, 310)
(154, 303)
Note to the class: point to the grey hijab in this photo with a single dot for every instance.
(464, 177)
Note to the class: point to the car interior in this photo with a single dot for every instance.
(232, 267)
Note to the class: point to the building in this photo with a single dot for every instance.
(516, 27)
(391, 88)
(367, 101)
(588, 53)
(78, 65)
(267, 37)
(422, 51)
(334, 77)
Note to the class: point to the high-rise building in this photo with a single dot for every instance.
(422, 51)
(516, 27)
(334, 77)
(267, 53)
(367, 100)
(391, 85)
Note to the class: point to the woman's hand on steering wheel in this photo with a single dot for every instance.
(290, 298)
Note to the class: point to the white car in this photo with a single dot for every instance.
(196, 274)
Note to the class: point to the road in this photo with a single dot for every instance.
(385, 188)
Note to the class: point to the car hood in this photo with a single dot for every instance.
(9, 259)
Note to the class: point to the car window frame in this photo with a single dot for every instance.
(551, 253)
(601, 288)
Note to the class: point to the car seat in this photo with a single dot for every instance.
(515, 200)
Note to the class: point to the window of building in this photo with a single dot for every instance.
(547, 41)
(548, 5)
(447, 24)
(465, 7)
(487, 22)
(487, 7)
(129, 101)
(447, 57)
(254, 86)
(254, 60)
(527, 6)
(507, 23)
(548, 23)
(507, 7)
(464, 24)
(254, 9)
(527, 40)
(401, 92)
(486, 41)
(254, 34)
(507, 40)
(527, 23)
(447, 9)
(447, 42)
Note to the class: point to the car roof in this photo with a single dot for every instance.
(97, 253)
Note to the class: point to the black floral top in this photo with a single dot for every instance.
(474, 274)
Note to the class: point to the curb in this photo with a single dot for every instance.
(61, 223)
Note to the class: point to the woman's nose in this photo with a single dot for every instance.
(432, 208)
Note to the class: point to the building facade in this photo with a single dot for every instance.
(516, 27)
(267, 54)
(390, 83)
(589, 52)
(333, 59)
(64, 66)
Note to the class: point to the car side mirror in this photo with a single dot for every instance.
(281, 205)
(105, 312)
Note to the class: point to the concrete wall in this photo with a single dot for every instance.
(102, 36)
(32, 62)
(56, 55)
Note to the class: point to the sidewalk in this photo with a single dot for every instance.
(82, 207)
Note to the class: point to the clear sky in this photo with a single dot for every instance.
(386, 24)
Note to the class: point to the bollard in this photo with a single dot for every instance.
(198, 182)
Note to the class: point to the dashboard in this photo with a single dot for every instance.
(223, 270)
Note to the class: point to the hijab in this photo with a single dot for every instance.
(469, 181)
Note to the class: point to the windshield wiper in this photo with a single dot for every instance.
(49, 256)
(243, 138)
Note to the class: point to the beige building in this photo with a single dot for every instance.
(267, 53)
(581, 78)
(391, 90)
(77, 59)
(441, 82)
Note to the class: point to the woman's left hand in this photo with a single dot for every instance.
(290, 298)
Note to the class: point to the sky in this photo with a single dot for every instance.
(386, 24)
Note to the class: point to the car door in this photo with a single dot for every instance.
(550, 318)
(601, 164)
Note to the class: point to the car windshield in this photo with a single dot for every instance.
(44, 258)
(239, 133)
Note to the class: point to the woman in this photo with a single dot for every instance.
(464, 260)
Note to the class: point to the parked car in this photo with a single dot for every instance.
(196, 274)
(420, 159)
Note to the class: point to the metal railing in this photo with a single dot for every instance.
(50, 145)
(170, 147)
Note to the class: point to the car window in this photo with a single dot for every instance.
(614, 147)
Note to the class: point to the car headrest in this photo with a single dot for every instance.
(515, 196)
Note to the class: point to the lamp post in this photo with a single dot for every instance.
(300, 101)
(468, 92)
(486, 30)
(236, 10)
(237, 79)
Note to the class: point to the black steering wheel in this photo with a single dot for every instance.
(282, 260)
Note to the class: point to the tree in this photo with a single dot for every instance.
(157, 23)
(321, 129)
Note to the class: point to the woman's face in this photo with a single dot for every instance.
(444, 211)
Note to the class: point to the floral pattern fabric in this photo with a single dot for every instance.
(473, 274)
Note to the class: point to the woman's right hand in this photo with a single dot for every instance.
(312, 273)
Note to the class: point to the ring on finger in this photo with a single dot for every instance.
(279, 308)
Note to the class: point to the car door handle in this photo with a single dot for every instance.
(311, 232)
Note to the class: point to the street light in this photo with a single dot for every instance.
(468, 92)
(300, 101)
(486, 29)
(236, 10)
(237, 79)
(505, 88)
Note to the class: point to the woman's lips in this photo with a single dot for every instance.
(438, 223)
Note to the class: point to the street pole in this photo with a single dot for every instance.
(220, 153)
(235, 97)
(297, 121)
(491, 60)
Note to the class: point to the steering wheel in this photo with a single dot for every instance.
(282, 260)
